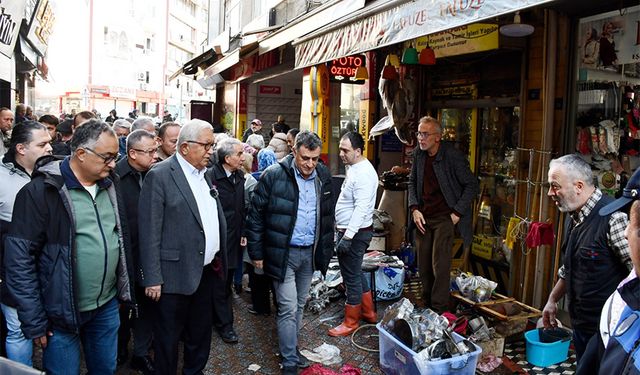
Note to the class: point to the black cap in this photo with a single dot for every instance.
(64, 127)
(630, 193)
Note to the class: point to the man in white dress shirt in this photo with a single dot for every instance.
(354, 223)
(182, 250)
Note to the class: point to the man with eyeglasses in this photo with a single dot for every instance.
(441, 191)
(182, 236)
(229, 180)
(290, 235)
(141, 149)
(65, 257)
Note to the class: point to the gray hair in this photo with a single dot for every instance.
(308, 139)
(226, 147)
(221, 137)
(256, 141)
(432, 120)
(121, 124)
(191, 130)
(574, 167)
(143, 122)
(86, 135)
(136, 136)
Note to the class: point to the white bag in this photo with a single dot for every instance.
(389, 283)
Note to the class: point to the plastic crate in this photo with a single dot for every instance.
(397, 359)
(543, 354)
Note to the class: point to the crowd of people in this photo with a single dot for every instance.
(124, 229)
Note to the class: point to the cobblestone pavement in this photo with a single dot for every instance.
(258, 342)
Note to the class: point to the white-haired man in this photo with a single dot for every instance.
(182, 250)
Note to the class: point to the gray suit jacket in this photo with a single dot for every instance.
(171, 234)
(457, 183)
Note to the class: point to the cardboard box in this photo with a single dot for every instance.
(494, 346)
(378, 243)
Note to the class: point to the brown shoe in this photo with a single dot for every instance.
(351, 321)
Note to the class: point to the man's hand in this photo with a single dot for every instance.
(153, 292)
(419, 220)
(42, 340)
(243, 241)
(257, 264)
(455, 218)
(344, 245)
(549, 315)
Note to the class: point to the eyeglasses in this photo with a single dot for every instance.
(424, 134)
(150, 152)
(207, 146)
(105, 158)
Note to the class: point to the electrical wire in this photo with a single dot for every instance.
(353, 341)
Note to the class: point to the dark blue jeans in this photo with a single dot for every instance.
(351, 266)
(98, 337)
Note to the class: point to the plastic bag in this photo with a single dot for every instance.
(475, 288)
(389, 283)
(325, 354)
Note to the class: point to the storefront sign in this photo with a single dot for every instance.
(610, 39)
(461, 40)
(398, 24)
(390, 142)
(243, 98)
(122, 92)
(10, 20)
(319, 88)
(466, 91)
(343, 69)
(270, 90)
(99, 91)
(41, 27)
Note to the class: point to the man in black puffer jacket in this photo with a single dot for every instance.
(290, 235)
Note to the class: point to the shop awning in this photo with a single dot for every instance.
(30, 57)
(191, 66)
(383, 23)
(313, 20)
(176, 74)
(224, 63)
(214, 74)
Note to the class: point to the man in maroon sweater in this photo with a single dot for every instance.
(441, 191)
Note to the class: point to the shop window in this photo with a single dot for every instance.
(349, 108)
(607, 120)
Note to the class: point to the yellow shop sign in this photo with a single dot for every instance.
(461, 40)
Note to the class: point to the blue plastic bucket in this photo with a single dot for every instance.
(545, 354)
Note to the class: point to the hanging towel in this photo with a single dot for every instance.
(540, 234)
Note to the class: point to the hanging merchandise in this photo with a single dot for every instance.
(540, 234)
(510, 238)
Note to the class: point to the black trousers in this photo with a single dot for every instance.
(179, 315)
(223, 305)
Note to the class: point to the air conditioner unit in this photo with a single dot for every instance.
(142, 76)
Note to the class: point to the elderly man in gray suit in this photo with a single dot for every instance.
(182, 249)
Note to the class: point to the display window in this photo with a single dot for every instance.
(607, 96)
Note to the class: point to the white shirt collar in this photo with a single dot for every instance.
(189, 169)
